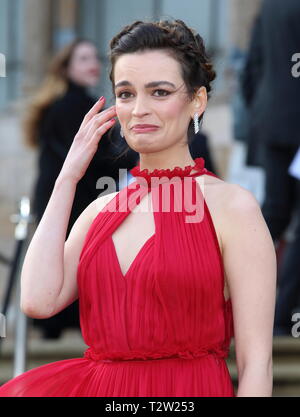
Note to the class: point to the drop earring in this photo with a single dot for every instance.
(196, 123)
(121, 133)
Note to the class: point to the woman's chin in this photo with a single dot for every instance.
(144, 144)
(145, 148)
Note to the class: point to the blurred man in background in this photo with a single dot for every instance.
(272, 93)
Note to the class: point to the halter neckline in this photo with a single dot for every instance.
(170, 173)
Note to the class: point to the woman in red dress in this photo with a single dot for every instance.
(166, 270)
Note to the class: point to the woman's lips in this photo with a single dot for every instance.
(144, 128)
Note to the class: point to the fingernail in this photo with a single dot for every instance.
(101, 98)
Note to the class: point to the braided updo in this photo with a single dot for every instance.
(185, 45)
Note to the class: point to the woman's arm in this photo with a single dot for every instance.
(43, 271)
(250, 263)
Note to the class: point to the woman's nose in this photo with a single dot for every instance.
(140, 107)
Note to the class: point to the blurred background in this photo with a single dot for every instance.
(32, 32)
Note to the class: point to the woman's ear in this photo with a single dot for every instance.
(199, 102)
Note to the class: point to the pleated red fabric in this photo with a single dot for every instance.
(164, 327)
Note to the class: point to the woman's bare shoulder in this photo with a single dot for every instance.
(100, 202)
(226, 202)
(88, 215)
(233, 207)
(228, 195)
(237, 198)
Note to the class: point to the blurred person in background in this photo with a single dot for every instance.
(53, 118)
(272, 90)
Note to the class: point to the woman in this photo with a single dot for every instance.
(53, 118)
(160, 292)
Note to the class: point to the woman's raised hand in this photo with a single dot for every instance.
(85, 143)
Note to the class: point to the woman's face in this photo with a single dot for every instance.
(84, 66)
(152, 103)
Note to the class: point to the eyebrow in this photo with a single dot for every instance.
(149, 85)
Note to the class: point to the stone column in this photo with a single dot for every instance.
(65, 22)
(242, 14)
(37, 41)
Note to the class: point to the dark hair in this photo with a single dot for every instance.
(182, 42)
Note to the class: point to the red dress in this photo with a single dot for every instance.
(162, 329)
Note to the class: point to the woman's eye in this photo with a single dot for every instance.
(124, 94)
(157, 93)
(161, 93)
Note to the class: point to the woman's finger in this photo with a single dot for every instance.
(99, 119)
(93, 111)
(99, 132)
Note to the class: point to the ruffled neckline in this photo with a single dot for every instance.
(169, 173)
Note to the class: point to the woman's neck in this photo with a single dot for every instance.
(165, 160)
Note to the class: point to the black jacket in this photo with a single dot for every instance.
(270, 90)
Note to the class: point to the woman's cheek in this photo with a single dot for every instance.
(122, 114)
(173, 108)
